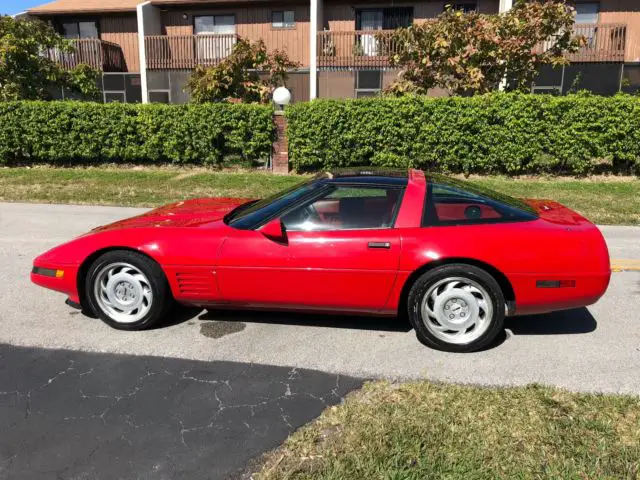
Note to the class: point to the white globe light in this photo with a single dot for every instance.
(281, 96)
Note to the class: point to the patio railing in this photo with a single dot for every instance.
(98, 54)
(187, 51)
(372, 48)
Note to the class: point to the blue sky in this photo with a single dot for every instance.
(10, 7)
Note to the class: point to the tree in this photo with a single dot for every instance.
(237, 78)
(465, 52)
(27, 74)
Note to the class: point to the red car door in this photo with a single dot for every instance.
(252, 269)
(350, 269)
(341, 252)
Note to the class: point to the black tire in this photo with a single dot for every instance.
(459, 270)
(155, 280)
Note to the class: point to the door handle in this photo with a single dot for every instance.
(386, 245)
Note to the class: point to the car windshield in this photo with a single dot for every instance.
(252, 214)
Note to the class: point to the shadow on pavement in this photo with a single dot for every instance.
(574, 321)
(180, 314)
(389, 324)
(70, 414)
(578, 320)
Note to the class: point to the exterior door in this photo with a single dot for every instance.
(587, 22)
(215, 36)
(370, 20)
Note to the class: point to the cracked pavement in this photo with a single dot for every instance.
(67, 414)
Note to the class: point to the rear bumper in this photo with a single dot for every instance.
(530, 299)
(44, 275)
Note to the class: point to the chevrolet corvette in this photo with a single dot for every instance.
(452, 257)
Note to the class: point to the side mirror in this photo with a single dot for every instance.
(275, 230)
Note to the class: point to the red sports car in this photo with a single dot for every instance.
(455, 258)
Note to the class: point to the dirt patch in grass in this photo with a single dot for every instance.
(423, 430)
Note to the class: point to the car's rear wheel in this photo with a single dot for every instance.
(127, 290)
(456, 308)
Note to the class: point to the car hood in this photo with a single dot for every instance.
(187, 213)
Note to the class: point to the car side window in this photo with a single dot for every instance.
(347, 208)
(448, 205)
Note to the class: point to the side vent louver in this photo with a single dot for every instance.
(197, 284)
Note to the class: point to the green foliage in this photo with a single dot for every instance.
(236, 79)
(27, 74)
(508, 133)
(50, 132)
(465, 52)
(84, 80)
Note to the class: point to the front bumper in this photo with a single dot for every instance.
(49, 276)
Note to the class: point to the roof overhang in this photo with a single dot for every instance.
(67, 7)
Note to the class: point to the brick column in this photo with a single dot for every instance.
(280, 155)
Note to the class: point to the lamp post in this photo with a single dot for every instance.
(280, 154)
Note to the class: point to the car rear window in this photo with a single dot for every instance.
(454, 202)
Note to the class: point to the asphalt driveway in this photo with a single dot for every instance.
(595, 349)
(66, 414)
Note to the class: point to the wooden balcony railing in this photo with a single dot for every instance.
(101, 55)
(605, 42)
(371, 49)
(356, 49)
(187, 51)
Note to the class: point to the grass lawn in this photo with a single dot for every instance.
(422, 430)
(605, 200)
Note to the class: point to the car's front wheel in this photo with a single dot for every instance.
(457, 308)
(127, 290)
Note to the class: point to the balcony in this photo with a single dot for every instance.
(366, 49)
(186, 51)
(605, 42)
(98, 54)
(356, 49)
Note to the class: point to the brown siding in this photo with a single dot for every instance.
(341, 16)
(340, 84)
(626, 12)
(298, 83)
(253, 23)
(122, 30)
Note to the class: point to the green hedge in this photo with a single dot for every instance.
(51, 132)
(495, 133)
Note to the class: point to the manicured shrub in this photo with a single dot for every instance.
(75, 132)
(493, 133)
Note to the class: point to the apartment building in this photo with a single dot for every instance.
(147, 51)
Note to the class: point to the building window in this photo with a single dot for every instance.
(121, 87)
(587, 12)
(76, 30)
(384, 18)
(160, 97)
(283, 19)
(114, 97)
(368, 83)
(465, 7)
(220, 24)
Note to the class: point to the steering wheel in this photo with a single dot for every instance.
(310, 214)
(472, 212)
